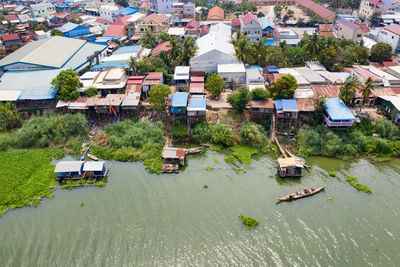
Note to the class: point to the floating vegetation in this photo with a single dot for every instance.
(248, 221)
(216, 147)
(243, 153)
(82, 204)
(330, 198)
(209, 168)
(271, 176)
(205, 186)
(216, 161)
(154, 165)
(360, 187)
(241, 170)
(332, 174)
(214, 152)
(230, 160)
(26, 177)
(101, 184)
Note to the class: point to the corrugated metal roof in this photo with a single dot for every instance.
(9, 95)
(266, 103)
(179, 99)
(337, 110)
(93, 166)
(197, 103)
(68, 166)
(286, 105)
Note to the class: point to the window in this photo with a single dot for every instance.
(358, 35)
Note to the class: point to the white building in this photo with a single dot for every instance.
(162, 6)
(109, 12)
(214, 49)
(232, 73)
(390, 35)
(250, 25)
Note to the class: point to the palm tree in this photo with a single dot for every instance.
(261, 53)
(10, 27)
(149, 40)
(133, 65)
(188, 50)
(175, 47)
(366, 89)
(313, 44)
(348, 89)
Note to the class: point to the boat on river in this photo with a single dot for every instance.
(303, 193)
(93, 157)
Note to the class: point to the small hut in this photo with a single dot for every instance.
(173, 158)
(69, 170)
(94, 169)
(290, 167)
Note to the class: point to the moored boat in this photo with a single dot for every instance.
(92, 157)
(303, 193)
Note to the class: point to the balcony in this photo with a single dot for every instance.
(330, 123)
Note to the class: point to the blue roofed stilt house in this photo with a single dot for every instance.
(30, 69)
(287, 113)
(337, 114)
(196, 109)
(178, 103)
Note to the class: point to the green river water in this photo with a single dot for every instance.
(140, 219)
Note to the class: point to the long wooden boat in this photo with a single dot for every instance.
(93, 157)
(304, 193)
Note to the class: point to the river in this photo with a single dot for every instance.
(140, 219)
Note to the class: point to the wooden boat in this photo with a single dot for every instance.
(92, 157)
(304, 193)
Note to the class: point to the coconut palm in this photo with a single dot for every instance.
(133, 65)
(366, 89)
(348, 89)
(188, 50)
(313, 44)
(149, 40)
(10, 27)
(175, 47)
(261, 51)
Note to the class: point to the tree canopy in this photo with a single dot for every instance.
(66, 85)
(91, 91)
(240, 99)
(284, 87)
(380, 52)
(56, 32)
(215, 84)
(157, 96)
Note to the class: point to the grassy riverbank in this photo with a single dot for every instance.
(26, 177)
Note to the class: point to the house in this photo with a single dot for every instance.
(232, 73)
(287, 35)
(174, 156)
(390, 35)
(345, 29)
(108, 106)
(111, 81)
(290, 167)
(321, 11)
(235, 23)
(337, 114)
(189, 10)
(287, 113)
(162, 7)
(69, 170)
(155, 23)
(268, 30)
(363, 74)
(196, 108)
(152, 78)
(109, 12)
(11, 40)
(115, 31)
(311, 76)
(132, 94)
(94, 169)
(251, 26)
(177, 10)
(326, 30)
(216, 14)
(42, 10)
(272, 2)
(197, 85)
(254, 78)
(12, 18)
(73, 30)
(391, 107)
(204, 30)
(176, 31)
(132, 23)
(262, 108)
(369, 7)
(192, 28)
(214, 48)
(388, 79)
(181, 77)
(178, 103)
(163, 47)
(127, 11)
(58, 18)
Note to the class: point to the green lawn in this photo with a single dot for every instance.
(26, 176)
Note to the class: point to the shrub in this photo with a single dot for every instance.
(239, 100)
(91, 91)
(259, 94)
(9, 117)
(243, 153)
(201, 132)
(230, 159)
(387, 129)
(253, 134)
(179, 129)
(249, 222)
(221, 133)
(332, 174)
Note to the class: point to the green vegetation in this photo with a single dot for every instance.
(215, 84)
(132, 141)
(284, 87)
(55, 131)
(258, 94)
(66, 85)
(82, 204)
(209, 168)
(254, 135)
(360, 187)
(157, 96)
(332, 174)
(216, 161)
(25, 178)
(243, 153)
(179, 129)
(240, 99)
(55, 32)
(205, 186)
(380, 52)
(91, 91)
(230, 160)
(201, 132)
(9, 117)
(216, 133)
(249, 222)
(331, 198)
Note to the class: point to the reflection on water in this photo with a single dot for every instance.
(140, 219)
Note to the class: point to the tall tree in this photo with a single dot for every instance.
(348, 89)
(10, 27)
(133, 65)
(366, 89)
(188, 51)
(240, 99)
(380, 52)
(215, 84)
(66, 85)
(284, 87)
(313, 44)
(175, 47)
(157, 96)
(148, 40)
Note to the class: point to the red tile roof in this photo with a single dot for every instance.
(205, 29)
(192, 25)
(364, 26)
(249, 18)
(365, 73)
(197, 79)
(10, 17)
(161, 47)
(115, 31)
(393, 28)
(235, 22)
(378, 2)
(101, 21)
(325, 28)
(327, 34)
(305, 3)
(317, 9)
(122, 20)
(10, 37)
(155, 18)
(216, 13)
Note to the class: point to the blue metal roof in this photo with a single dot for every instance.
(198, 102)
(266, 24)
(105, 39)
(286, 105)
(127, 49)
(109, 65)
(69, 26)
(337, 110)
(346, 16)
(128, 10)
(179, 99)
